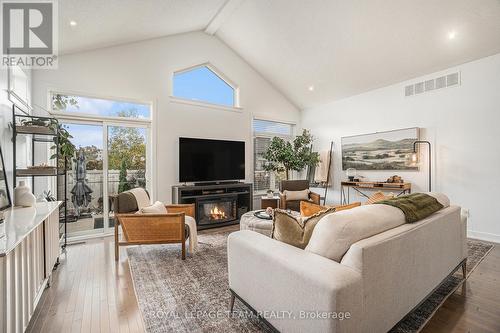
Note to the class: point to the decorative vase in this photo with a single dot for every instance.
(23, 196)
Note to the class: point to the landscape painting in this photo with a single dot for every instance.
(391, 150)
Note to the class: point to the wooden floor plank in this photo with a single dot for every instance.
(93, 293)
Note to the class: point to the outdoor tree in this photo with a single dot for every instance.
(127, 144)
(283, 155)
(123, 184)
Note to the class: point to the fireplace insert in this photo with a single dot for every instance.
(212, 211)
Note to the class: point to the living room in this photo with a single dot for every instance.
(238, 165)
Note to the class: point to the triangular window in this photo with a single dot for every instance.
(203, 84)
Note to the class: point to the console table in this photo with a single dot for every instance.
(29, 249)
(362, 187)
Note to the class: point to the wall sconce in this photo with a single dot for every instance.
(414, 157)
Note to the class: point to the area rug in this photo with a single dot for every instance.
(193, 296)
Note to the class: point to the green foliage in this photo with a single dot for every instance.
(123, 184)
(61, 102)
(283, 156)
(66, 148)
(126, 144)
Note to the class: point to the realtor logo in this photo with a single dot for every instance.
(29, 33)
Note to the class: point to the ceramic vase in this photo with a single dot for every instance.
(23, 196)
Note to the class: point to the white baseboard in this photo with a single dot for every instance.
(483, 236)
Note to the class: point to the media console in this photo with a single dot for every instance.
(216, 205)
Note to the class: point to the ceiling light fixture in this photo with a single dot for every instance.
(452, 35)
(311, 88)
(72, 23)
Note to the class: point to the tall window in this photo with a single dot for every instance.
(264, 131)
(203, 84)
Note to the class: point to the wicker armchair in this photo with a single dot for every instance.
(141, 229)
(295, 185)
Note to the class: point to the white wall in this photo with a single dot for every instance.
(143, 71)
(461, 122)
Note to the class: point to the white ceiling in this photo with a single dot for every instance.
(102, 23)
(340, 47)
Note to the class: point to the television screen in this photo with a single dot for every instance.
(202, 160)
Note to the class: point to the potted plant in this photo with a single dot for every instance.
(66, 148)
(270, 194)
(283, 156)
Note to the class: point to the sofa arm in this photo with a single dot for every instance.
(273, 276)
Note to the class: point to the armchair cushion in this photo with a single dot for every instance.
(156, 208)
(296, 195)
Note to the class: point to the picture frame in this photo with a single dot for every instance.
(387, 150)
(5, 199)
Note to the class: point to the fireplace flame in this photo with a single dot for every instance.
(217, 214)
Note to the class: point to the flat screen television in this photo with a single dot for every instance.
(203, 160)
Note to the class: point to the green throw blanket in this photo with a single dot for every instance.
(415, 206)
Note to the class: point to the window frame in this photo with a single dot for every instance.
(269, 135)
(236, 90)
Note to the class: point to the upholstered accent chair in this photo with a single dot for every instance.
(295, 185)
(140, 229)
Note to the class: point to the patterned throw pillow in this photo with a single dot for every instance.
(309, 208)
(295, 230)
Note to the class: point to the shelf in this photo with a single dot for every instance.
(35, 130)
(230, 194)
(38, 173)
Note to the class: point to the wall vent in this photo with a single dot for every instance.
(449, 80)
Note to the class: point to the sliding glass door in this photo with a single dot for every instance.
(113, 146)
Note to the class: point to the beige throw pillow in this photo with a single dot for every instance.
(295, 230)
(297, 195)
(156, 208)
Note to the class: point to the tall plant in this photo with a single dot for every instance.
(284, 156)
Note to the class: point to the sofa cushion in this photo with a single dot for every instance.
(297, 195)
(295, 230)
(335, 233)
(156, 208)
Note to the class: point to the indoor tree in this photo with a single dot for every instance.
(283, 156)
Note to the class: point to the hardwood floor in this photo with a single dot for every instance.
(90, 292)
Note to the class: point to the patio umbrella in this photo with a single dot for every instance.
(81, 192)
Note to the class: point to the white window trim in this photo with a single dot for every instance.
(220, 75)
(180, 100)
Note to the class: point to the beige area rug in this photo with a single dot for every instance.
(193, 295)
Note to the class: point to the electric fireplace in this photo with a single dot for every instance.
(212, 211)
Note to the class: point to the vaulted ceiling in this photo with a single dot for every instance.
(314, 51)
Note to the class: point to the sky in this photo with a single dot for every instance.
(106, 107)
(201, 84)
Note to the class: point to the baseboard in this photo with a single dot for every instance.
(485, 236)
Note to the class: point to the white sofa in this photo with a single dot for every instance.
(376, 282)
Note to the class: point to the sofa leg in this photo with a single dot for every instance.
(231, 302)
(183, 254)
(464, 269)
